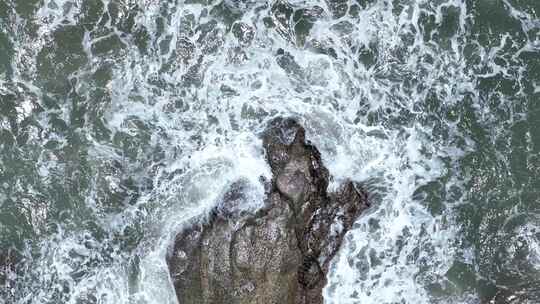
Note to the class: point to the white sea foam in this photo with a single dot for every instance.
(369, 121)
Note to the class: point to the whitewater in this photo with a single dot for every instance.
(122, 120)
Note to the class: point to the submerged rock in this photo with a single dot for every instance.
(281, 253)
(8, 260)
(525, 293)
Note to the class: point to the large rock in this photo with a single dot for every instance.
(280, 254)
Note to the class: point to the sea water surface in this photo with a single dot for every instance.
(122, 119)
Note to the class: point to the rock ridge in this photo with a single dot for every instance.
(279, 254)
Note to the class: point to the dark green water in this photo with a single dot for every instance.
(121, 119)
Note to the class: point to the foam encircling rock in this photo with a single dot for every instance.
(279, 254)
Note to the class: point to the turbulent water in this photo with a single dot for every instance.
(122, 119)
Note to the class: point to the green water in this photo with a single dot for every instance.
(85, 155)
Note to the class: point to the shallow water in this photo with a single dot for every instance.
(120, 120)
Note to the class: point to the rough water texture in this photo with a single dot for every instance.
(123, 120)
(281, 253)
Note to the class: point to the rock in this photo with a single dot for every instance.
(279, 254)
(524, 293)
(8, 259)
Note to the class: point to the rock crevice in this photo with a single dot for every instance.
(281, 253)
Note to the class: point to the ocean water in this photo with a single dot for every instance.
(120, 120)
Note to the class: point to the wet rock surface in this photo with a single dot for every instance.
(281, 253)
